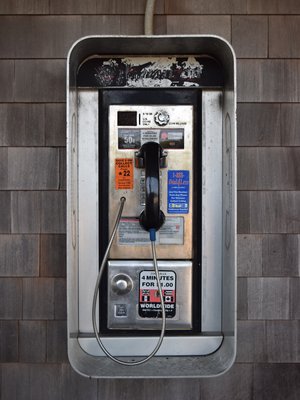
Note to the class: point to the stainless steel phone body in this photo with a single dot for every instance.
(130, 126)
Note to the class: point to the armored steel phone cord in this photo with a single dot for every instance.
(103, 263)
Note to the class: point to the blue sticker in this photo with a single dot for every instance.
(178, 192)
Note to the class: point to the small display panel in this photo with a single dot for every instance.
(127, 118)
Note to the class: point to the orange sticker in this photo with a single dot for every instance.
(124, 173)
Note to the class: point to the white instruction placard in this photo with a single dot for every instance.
(149, 135)
(130, 232)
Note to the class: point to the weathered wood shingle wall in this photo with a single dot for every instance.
(34, 38)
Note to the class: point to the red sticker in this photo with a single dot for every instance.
(124, 173)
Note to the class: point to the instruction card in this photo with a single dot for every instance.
(178, 191)
(131, 233)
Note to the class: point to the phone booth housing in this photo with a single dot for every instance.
(160, 111)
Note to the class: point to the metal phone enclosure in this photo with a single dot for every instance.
(128, 95)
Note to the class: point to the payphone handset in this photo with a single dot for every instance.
(150, 164)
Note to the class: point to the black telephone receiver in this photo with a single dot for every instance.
(151, 157)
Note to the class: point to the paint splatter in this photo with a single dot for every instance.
(149, 72)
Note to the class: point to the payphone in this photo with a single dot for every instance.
(151, 164)
(151, 209)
